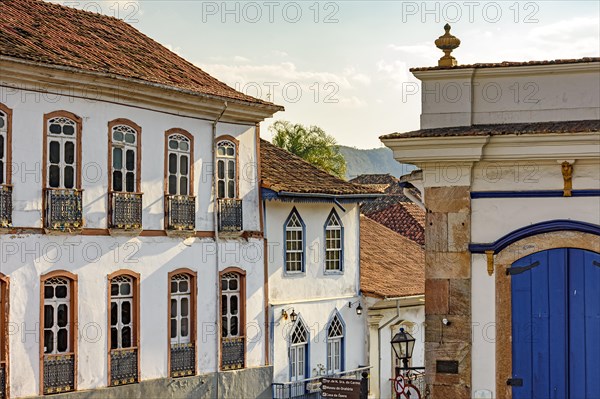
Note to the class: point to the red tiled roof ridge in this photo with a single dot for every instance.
(491, 129)
(509, 64)
(24, 37)
(296, 175)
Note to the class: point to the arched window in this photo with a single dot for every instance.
(179, 162)
(334, 242)
(299, 351)
(59, 332)
(4, 313)
(123, 339)
(182, 323)
(294, 243)
(233, 313)
(335, 344)
(227, 169)
(124, 156)
(63, 152)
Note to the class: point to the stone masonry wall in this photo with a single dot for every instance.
(448, 290)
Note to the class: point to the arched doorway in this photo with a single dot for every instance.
(556, 325)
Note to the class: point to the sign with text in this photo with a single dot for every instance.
(340, 388)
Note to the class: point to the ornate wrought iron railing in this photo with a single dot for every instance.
(230, 215)
(123, 366)
(181, 212)
(310, 388)
(59, 373)
(63, 209)
(233, 352)
(183, 360)
(5, 206)
(2, 380)
(125, 211)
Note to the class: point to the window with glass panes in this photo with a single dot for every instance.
(3, 146)
(294, 243)
(62, 153)
(230, 305)
(57, 314)
(181, 303)
(121, 312)
(226, 169)
(124, 159)
(298, 348)
(333, 243)
(178, 164)
(335, 340)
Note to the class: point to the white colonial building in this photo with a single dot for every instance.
(131, 233)
(312, 222)
(511, 170)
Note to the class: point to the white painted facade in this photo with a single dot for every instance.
(507, 163)
(314, 295)
(385, 318)
(26, 253)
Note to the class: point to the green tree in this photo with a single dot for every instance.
(311, 144)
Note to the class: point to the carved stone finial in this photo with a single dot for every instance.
(447, 43)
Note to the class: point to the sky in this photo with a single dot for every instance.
(344, 65)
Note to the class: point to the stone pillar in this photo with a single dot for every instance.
(448, 292)
(374, 320)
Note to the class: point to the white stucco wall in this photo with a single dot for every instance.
(28, 113)
(314, 294)
(383, 360)
(25, 257)
(315, 282)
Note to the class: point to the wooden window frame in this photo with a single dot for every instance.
(340, 338)
(302, 229)
(4, 338)
(242, 307)
(138, 161)
(8, 154)
(236, 143)
(136, 318)
(78, 152)
(190, 137)
(193, 313)
(306, 345)
(73, 313)
(333, 213)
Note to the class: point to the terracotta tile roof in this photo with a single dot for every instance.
(282, 171)
(383, 179)
(580, 126)
(510, 64)
(405, 218)
(391, 266)
(55, 35)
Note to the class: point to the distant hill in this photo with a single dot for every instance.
(376, 160)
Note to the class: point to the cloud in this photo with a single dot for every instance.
(284, 82)
(394, 71)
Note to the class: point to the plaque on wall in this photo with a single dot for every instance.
(446, 366)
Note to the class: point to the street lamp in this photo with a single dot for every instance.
(359, 308)
(403, 344)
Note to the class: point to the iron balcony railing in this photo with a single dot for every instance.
(125, 211)
(63, 209)
(59, 373)
(183, 360)
(310, 388)
(233, 352)
(2, 380)
(5, 206)
(230, 215)
(123, 366)
(181, 213)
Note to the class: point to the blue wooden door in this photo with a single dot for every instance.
(556, 325)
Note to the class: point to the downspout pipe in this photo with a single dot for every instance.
(216, 229)
(406, 187)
